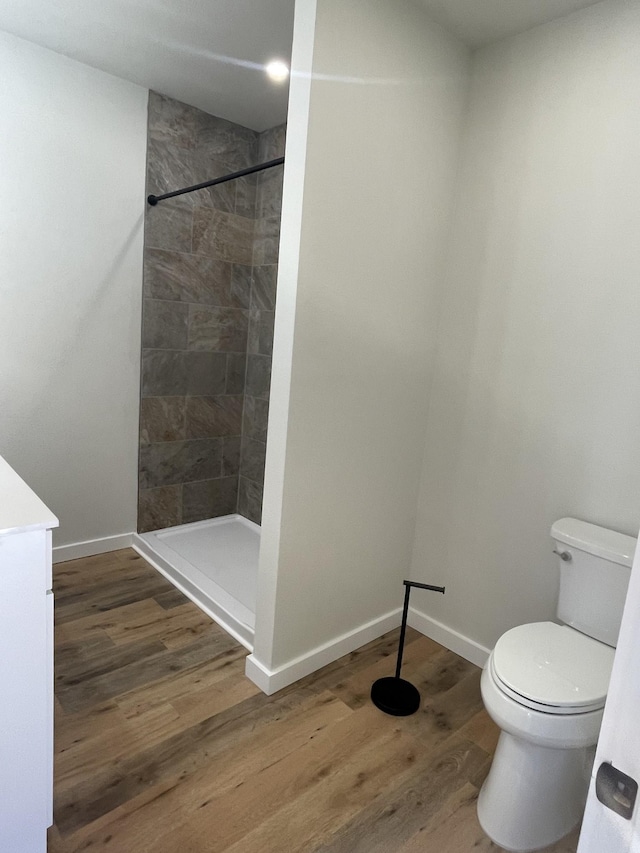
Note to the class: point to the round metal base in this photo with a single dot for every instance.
(395, 696)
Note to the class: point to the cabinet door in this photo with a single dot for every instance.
(24, 676)
(49, 747)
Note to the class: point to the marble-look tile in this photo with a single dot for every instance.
(209, 417)
(171, 121)
(231, 446)
(254, 418)
(162, 419)
(260, 338)
(217, 329)
(241, 278)
(175, 462)
(267, 240)
(269, 192)
(187, 278)
(232, 144)
(258, 376)
(263, 287)
(171, 168)
(209, 499)
(271, 143)
(205, 373)
(158, 508)
(246, 196)
(250, 500)
(236, 370)
(252, 457)
(225, 236)
(168, 226)
(164, 324)
(164, 373)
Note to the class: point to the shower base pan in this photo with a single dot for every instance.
(215, 564)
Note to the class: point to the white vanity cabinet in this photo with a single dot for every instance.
(26, 667)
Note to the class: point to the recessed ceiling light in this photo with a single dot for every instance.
(277, 70)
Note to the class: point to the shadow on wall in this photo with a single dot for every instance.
(210, 270)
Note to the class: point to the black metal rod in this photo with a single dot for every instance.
(403, 630)
(424, 586)
(405, 612)
(154, 199)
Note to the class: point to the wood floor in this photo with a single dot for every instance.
(163, 745)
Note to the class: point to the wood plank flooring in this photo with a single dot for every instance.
(163, 745)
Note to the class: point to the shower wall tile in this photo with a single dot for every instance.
(158, 508)
(171, 168)
(187, 278)
(206, 373)
(267, 240)
(258, 377)
(250, 499)
(164, 373)
(241, 285)
(162, 419)
(217, 329)
(236, 369)
(209, 499)
(171, 122)
(269, 192)
(164, 324)
(210, 269)
(172, 462)
(271, 143)
(221, 235)
(254, 418)
(168, 226)
(263, 291)
(252, 459)
(261, 332)
(246, 189)
(232, 144)
(231, 446)
(210, 417)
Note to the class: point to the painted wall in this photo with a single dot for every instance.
(371, 149)
(535, 405)
(72, 150)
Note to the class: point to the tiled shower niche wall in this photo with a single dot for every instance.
(203, 311)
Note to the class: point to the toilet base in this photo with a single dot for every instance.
(533, 795)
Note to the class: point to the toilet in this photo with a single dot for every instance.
(545, 686)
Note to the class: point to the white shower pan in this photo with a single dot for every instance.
(215, 564)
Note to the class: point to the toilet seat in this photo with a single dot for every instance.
(552, 668)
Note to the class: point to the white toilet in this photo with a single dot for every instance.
(545, 686)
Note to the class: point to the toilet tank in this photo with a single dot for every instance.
(595, 566)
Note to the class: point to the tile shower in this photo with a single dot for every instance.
(210, 269)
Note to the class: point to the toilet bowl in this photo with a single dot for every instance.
(545, 686)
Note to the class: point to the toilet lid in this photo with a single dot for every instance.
(554, 665)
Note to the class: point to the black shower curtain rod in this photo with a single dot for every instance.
(154, 199)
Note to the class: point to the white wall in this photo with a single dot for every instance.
(535, 406)
(72, 148)
(363, 230)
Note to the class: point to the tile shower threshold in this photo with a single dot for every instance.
(215, 564)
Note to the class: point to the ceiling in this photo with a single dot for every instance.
(479, 22)
(211, 53)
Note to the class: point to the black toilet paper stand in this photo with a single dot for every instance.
(393, 694)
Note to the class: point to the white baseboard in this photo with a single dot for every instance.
(270, 681)
(91, 547)
(447, 637)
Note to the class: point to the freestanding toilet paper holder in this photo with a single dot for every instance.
(393, 694)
